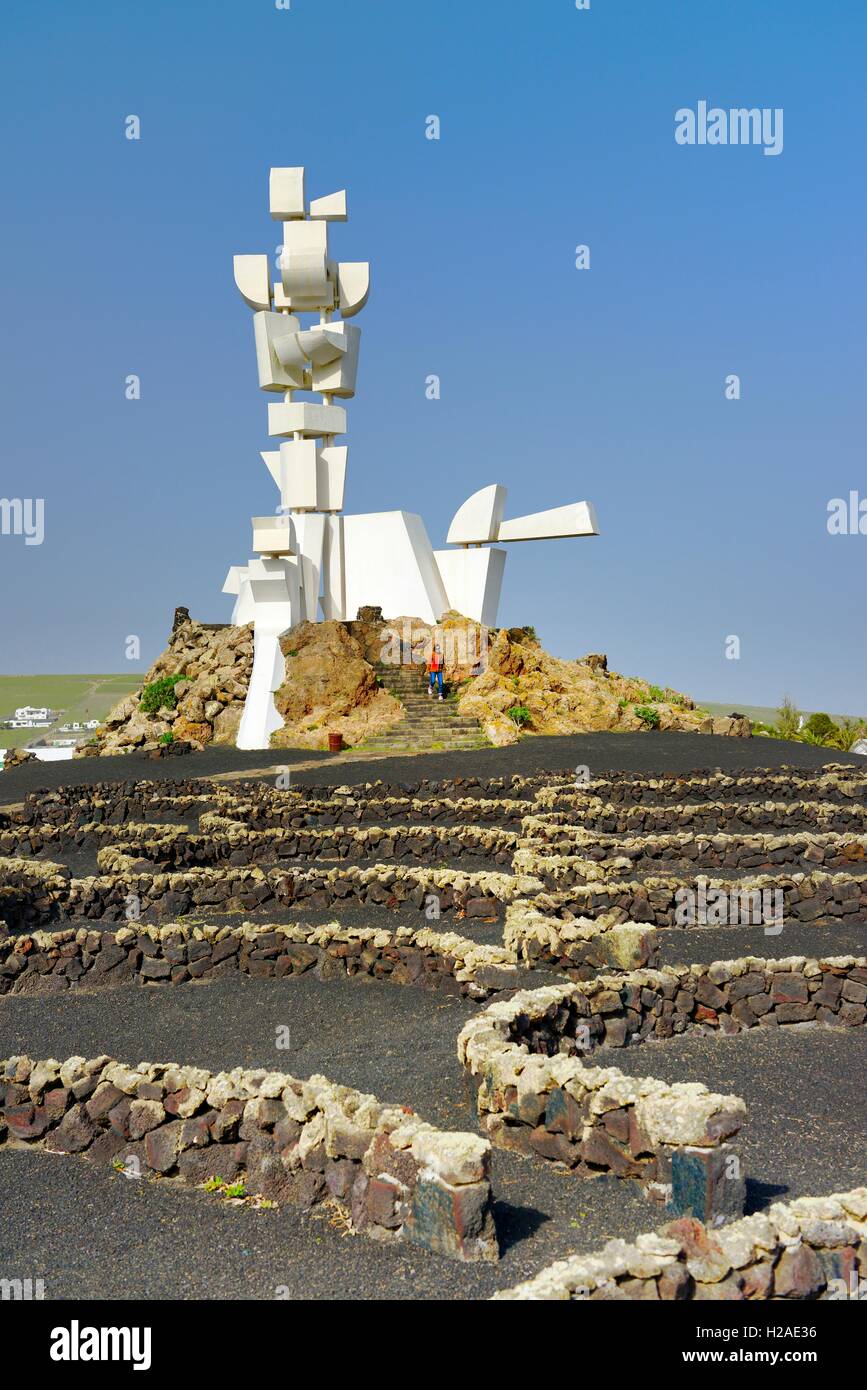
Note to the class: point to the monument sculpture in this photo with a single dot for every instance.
(311, 561)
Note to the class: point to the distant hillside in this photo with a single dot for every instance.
(765, 714)
(76, 698)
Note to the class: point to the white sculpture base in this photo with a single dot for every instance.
(260, 718)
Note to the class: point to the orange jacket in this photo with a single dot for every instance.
(436, 662)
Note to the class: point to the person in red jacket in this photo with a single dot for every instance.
(435, 667)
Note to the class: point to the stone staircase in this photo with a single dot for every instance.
(431, 725)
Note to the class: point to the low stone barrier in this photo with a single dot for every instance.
(32, 891)
(47, 961)
(223, 840)
(605, 858)
(809, 1248)
(701, 818)
(395, 1176)
(672, 1139)
(814, 898)
(727, 996)
(294, 811)
(577, 949)
(837, 783)
(164, 894)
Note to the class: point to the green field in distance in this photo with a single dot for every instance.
(72, 697)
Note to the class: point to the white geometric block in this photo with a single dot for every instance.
(306, 418)
(576, 519)
(234, 579)
(304, 265)
(331, 477)
(298, 474)
(253, 279)
(271, 460)
(478, 520)
(310, 533)
(273, 535)
(329, 209)
(270, 332)
(286, 193)
(473, 579)
(353, 286)
(337, 376)
(333, 588)
(389, 561)
(274, 584)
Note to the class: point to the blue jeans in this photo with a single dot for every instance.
(436, 677)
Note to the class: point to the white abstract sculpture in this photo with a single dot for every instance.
(309, 557)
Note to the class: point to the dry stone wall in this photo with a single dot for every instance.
(47, 961)
(395, 1176)
(810, 1248)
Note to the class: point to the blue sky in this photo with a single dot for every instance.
(557, 128)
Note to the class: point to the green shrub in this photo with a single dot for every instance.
(822, 727)
(654, 693)
(167, 737)
(848, 732)
(159, 693)
(520, 715)
(648, 715)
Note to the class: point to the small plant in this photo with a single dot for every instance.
(235, 1189)
(167, 737)
(160, 693)
(214, 1184)
(622, 702)
(648, 715)
(655, 694)
(848, 733)
(788, 719)
(520, 715)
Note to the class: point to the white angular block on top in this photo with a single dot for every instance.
(478, 520)
(304, 265)
(473, 579)
(329, 209)
(353, 286)
(286, 193)
(389, 562)
(576, 519)
(305, 418)
(272, 331)
(273, 535)
(253, 279)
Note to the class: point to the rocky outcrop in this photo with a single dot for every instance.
(15, 758)
(330, 688)
(567, 697)
(203, 706)
(504, 680)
